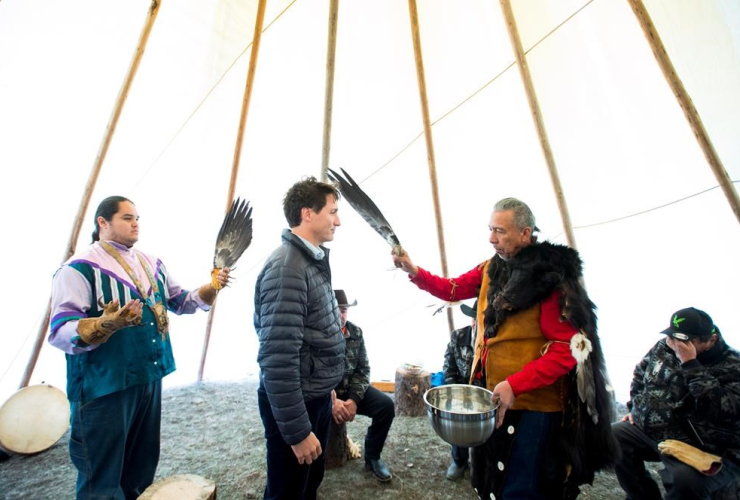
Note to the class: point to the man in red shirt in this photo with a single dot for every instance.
(552, 430)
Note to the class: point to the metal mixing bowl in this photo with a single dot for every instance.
(462, 415)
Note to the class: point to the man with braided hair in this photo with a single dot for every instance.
(117, 356)
(553, 424)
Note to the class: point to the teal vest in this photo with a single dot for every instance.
(132, 356)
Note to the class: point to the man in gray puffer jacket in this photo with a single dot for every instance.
(301, 353)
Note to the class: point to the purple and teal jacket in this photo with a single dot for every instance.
(132, 356)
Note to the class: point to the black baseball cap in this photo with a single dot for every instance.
(690, 323)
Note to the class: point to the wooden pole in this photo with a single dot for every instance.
(93, 178)
(534, 107)
(331, 51)
(36, 349)
(256, 39)
(687, 105)
(416, 38)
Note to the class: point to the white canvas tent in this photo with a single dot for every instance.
(619, 138)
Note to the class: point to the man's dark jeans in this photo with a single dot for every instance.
(286, 478)
(680, 480)
(114, 442)
(381, 409)
(460, 455)
(531, 456)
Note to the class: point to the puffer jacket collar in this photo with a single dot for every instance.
(291, 239)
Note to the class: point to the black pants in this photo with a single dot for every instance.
(522, 458)
(286, 478)
(680, 480)
(380, 408)
(114, 442)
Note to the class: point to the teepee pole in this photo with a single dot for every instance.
(534, 107)
(421, 79)
(93, 178)
(331, 51)
(687, 105)
(256, 39)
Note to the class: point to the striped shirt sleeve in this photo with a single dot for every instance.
(70, 301)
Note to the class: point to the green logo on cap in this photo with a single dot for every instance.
(677, 321)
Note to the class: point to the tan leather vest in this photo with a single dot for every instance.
(518, 341)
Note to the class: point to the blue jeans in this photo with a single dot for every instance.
(521, 460)
(530, 456)
(460, 455)
(286, 478)
(114, 442)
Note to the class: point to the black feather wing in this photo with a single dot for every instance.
(235, 234)
(364, 206)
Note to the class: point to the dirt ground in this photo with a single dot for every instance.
(214, 430)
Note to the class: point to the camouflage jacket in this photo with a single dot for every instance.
(356, 366)
(459, 356)
(668, 398)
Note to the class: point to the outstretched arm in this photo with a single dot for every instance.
(404, 263)
(463, 287)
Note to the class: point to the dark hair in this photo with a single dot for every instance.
(308, 193)
(707, 336)
(107, 209)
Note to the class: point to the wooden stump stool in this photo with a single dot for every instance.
(336, 450)
(411, 384)
(183, 487)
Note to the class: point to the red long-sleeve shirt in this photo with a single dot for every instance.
(541, 372)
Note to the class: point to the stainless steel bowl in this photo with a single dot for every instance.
(462, 415)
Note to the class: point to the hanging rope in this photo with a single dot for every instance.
(205, 98)
(445, 115)
(452, 110)
(649, 209)
(489, 82)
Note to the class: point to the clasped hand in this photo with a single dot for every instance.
(342, 411)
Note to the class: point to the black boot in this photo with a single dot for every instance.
(380, 470)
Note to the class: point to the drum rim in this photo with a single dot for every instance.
(8, 447)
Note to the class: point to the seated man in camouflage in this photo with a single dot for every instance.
(685, 412)
(354, 395)
(458, 362)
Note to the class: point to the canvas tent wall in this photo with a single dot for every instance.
(621, 143)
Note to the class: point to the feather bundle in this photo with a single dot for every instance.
(367, 208)
(234, 236)
(580, 348)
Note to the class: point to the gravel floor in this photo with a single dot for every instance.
(214, 430)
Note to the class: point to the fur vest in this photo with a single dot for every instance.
(524, 281)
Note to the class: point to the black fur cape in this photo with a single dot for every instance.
(527, 279)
